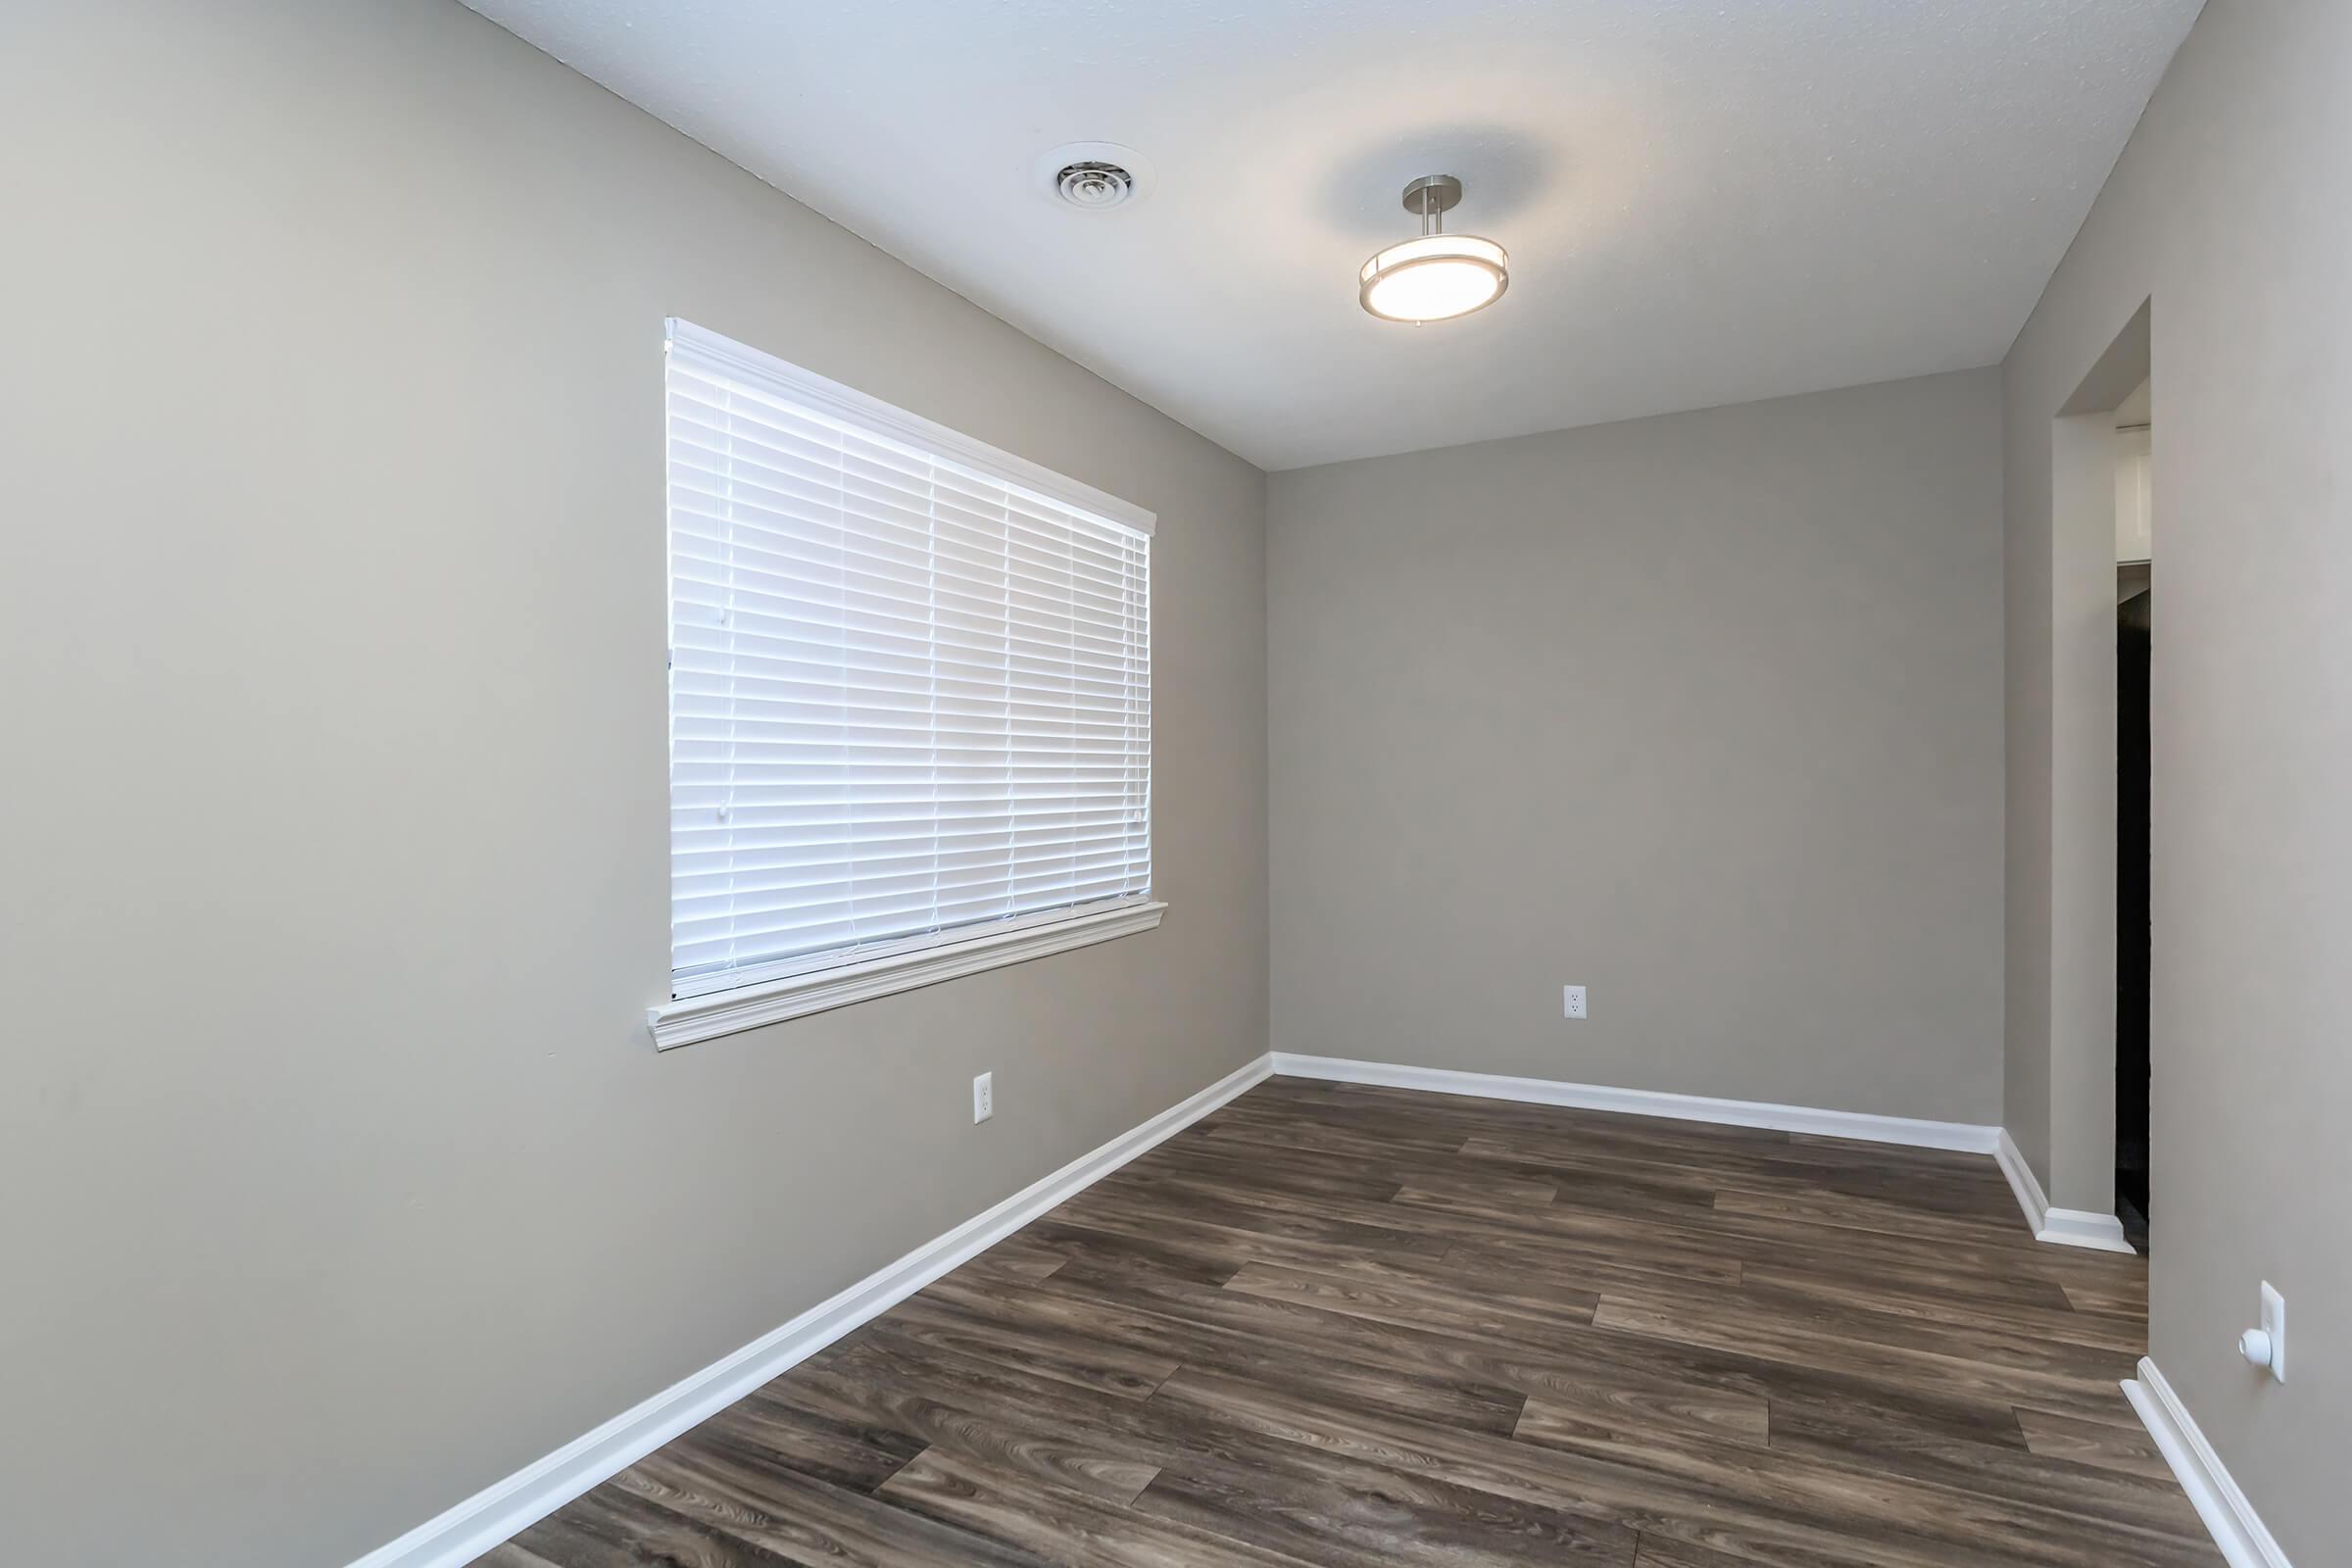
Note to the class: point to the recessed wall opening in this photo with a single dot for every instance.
(2102, 494)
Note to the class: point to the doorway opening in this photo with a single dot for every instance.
(2101, 494)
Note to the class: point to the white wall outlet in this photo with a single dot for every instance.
(2266, 1347)
(984, 1096)
(1571, 1001)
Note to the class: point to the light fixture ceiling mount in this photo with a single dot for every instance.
(1436, 276)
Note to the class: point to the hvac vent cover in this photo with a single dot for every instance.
(1094, 185)
(1093, 177)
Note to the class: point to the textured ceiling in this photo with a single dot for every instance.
(1705, 201)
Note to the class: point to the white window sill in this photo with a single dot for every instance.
(724, 1012)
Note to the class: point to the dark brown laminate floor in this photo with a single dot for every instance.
(1344, 1325)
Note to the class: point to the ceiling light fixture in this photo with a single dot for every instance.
(1437, 275)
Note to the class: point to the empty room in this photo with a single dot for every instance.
(1111, 782)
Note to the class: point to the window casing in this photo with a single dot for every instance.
(910, 684)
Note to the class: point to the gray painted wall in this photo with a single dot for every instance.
(342, 1177)
(2230, 211)
(1701, 712)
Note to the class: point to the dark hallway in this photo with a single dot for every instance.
(2135, 621)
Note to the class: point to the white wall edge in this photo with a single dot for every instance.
(463, 1533)
(1965, 1137)
(724, 1012)
(2245, 1542)
(2060, 1227)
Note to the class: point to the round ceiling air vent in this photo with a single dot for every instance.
(1093, 177)
(1094, 185)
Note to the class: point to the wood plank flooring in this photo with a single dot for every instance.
(1345, 1325)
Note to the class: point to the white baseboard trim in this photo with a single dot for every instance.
(2023, 1182)
(2061, 1227)
(1965, 1137)
(2235, 1527)
(2080, 1227)
(488, 1517)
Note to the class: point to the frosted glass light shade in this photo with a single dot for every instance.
(1433, 277)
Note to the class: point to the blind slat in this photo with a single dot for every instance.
(906, 696)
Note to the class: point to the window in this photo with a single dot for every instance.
(910, 699)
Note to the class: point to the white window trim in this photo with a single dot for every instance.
(794, 989)
(795, 996)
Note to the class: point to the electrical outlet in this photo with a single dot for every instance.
(2266, 1347)
(1571, 1001)
(984, 1096)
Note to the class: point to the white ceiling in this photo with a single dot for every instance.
(1705, 201)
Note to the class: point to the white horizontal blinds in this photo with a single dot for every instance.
(906, 697)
